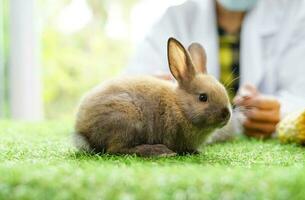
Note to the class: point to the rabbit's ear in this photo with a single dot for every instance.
(180, 62)
(199, 57)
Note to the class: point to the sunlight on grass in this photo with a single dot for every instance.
(38, 161)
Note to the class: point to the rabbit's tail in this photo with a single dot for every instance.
(81, 143)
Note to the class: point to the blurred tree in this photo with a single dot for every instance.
(4, 112)
(1, 60)
(74, 62)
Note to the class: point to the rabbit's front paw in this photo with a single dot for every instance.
(158, 150)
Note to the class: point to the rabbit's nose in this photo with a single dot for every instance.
(225, 114)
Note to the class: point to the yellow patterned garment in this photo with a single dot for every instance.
(229, 45)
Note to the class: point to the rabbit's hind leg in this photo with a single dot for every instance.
(144, 150)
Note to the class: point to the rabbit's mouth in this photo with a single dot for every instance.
(205, 124)
(211, 122)
(223, 123)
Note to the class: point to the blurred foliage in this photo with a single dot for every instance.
(73, 63)
(5, 46)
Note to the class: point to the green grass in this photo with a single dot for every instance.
(38, 161)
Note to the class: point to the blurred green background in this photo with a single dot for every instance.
(82, 42)
(74, 61)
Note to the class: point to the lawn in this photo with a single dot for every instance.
(38, 161)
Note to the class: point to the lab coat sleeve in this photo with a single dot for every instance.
(291, 73)
(151, 54)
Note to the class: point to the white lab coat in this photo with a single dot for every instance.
(272, 45)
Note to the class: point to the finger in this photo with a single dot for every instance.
(266, 102)
(259, 126)
(261, 102)
(237, 100)
(263, 115)
(248, 90)
(241, 100)
(245, 92)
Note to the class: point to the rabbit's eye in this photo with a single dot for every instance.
(203, 97)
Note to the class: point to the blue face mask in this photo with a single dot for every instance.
(238, 5)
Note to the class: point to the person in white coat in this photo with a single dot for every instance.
(271, 52)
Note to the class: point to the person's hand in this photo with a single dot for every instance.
(262, 112)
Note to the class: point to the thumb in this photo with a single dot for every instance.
(248, 91)
(245, 92)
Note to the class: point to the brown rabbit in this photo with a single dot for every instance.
(147, 116)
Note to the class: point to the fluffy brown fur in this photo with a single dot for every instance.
(152, 117)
